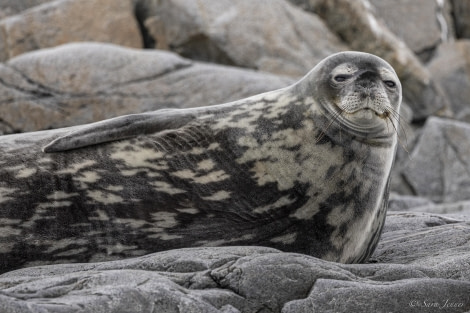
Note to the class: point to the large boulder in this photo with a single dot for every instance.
(438, 168)
(451, 68)
(430, 21)
(86, 82)
(257, 279)
(269, 35)
(64, 21)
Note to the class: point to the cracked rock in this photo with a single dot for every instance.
(86, 82)
(426, 239)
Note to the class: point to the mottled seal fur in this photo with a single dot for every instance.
(305, 169)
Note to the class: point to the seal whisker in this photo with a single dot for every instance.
(397, 116)
(334, 118)
(398, 136)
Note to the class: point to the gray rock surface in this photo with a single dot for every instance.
(426, 239)
(257, 279)
(439, 168)
(398, 202)
(451, 68)
(244, 33)
(13, 7)
(461, 14)
(430, 21)
(64, 21)
(104, 80)
(460, 207)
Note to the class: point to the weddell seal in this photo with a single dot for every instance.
(305, 169)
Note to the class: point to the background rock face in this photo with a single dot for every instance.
(59, 22)
(13, 7)
(430, 21)
(37, 93)
(244, 33)
(451, 69)
(461, 14)
(439, 167)
(70, 62)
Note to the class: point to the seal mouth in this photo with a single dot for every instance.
(369, 113)
(365, 120)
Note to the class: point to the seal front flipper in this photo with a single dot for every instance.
(122, 127)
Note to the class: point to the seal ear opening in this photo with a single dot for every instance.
(118, 128)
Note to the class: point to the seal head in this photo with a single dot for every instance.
(360, 91)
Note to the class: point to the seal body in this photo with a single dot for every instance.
(304, 169)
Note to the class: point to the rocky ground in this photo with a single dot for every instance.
(70, 62)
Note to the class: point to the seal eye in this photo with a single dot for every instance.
(340, 78)
(390, 83)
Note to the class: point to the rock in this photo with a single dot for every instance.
(408, 135)
(397, 202)
(13, 7)
(86, 82)
(439, 167)
(430, 21)
(425, 239)
(461, 14)
(462, 207)
(257, 279)
(64, 21)
(244, 33)
(451, 68)
(364, 32)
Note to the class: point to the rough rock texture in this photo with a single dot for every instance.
(461, 14)
(13, 7)
(63, 21)
(461, 207)
(426, 239)
(364, 32)
(430, 21)
(244, 33)
(104, 80)
(256, 279)
(451, 68)
(439, 168)
(399, 202)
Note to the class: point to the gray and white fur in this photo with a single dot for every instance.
(305, 169)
